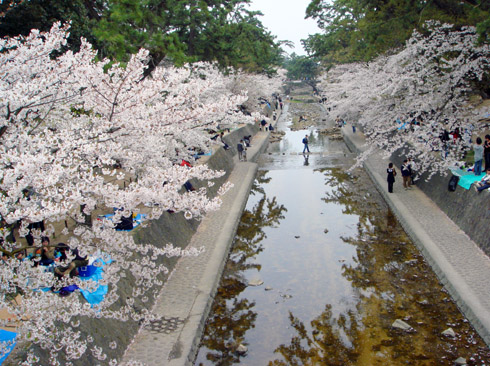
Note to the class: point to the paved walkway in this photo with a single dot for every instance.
(186, 297)
(458, 262)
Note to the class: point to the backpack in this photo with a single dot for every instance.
(453, 183)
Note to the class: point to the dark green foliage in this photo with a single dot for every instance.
(186, 31)
(176, 30)
(241, 44)
(18, 17)
(358, 30)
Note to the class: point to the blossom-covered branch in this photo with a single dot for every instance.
(78, 135)
(408, 99)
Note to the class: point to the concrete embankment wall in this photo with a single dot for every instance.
(468, 209)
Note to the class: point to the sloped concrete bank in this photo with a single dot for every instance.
(169, 228)
(458, 261)
(468, 209)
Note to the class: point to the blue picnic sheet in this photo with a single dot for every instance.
(466, 178)
(197, 156)
(7, 336)
(94, 298)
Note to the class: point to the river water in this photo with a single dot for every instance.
(320, 270)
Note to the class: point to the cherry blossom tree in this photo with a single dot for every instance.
(409, 98)
(258, 87)
(79, 135)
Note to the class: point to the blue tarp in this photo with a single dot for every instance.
(6, 336)
(97, 296)
(466, 178)
(93, 298)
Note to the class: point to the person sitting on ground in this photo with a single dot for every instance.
(225, 145)
(214, 133)
(189, 187)
(246, 139)
(76, 262)
(46, 252)
(125, 222)
(484, 183)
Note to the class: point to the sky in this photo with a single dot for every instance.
(286, 20)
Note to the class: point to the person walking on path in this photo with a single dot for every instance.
(240, 149)
(391, 177)
(405, 174)
(478, 149)
(305, 142)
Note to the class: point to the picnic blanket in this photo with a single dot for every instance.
(466, 178)
(95, 297)
(6, 336)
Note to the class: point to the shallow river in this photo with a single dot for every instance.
(320, 270)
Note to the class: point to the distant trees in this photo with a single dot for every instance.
(359, 30)
(301, 67)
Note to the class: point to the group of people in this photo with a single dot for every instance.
(59, 258)
(408, 174)
(242, 147)
(263, 125)
(408, 168)
(279, 103)
(483, 183)
(339, 122)
(242, 150)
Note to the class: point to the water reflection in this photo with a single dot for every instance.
(231, 316)
(339, 273)
(306, 157)
(394, 282)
